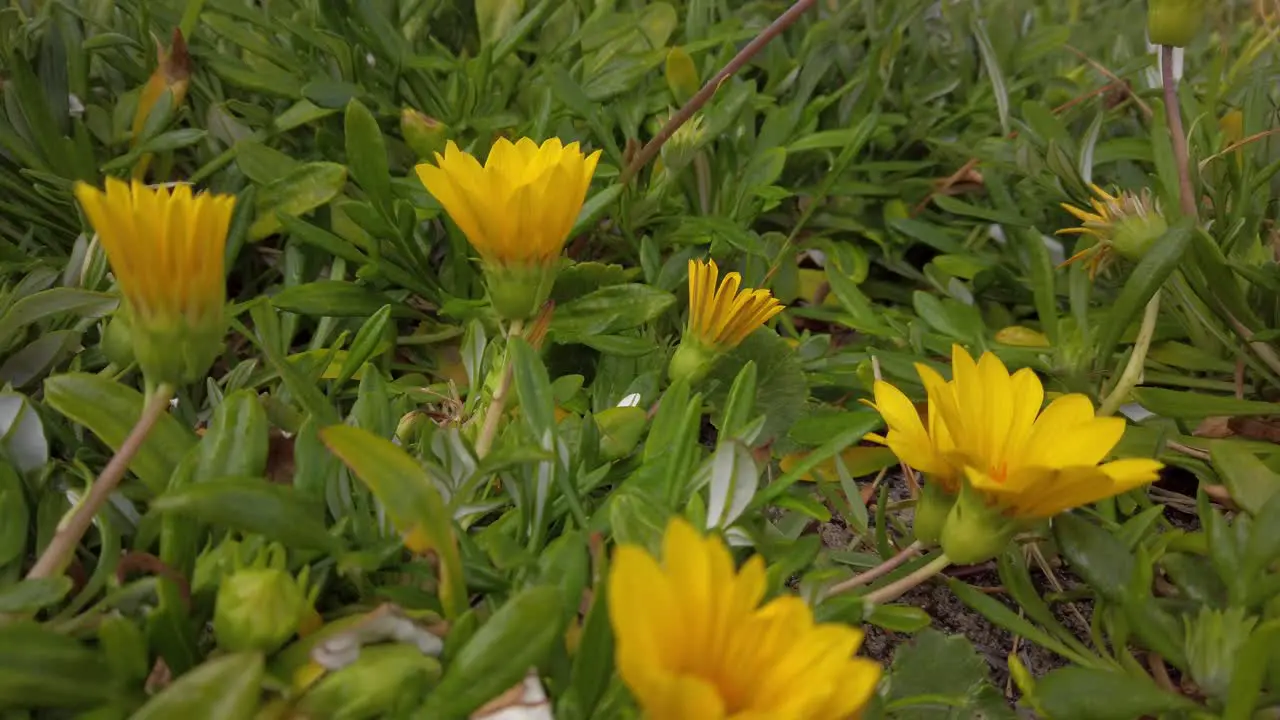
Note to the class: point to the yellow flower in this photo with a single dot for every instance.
(516, 211)
(693, 642)
(1126, 224)
(986, 427)
(167, 251)
(720, 318)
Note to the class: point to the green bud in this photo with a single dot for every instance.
(691, 361)
(518, 292)
(178, 352)
(373, 686)
(682, 75)
(684, 145)
(931, 512)
(1213, 641)
(1134, 235)
(425, 135)
(1174, 22)
(975, 531)
(620, 430)
(257, 609)
(117, 341)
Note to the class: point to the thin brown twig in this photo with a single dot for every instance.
(53, 561)
(651, 148)
(1146, 109)
(955, 177)
(1173, 114)
(1239, 144)
(876, 572)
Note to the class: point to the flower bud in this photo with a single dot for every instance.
(172, 73)
(180, 351)
(684, 145)
(1174, 22)
(620, 430)
(1134, 234)
(257, 609)
(518, 291)
(974, 532)
(931, 512)
(425, 135)
(1213, 642)
(682, 75)
(117, 341)
(691, 361)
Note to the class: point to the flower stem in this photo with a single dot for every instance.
(57, 555)
(493, 414)
(895, 589)
(1137, 360)
(651, 148)
(878, 571)
(1173, 117)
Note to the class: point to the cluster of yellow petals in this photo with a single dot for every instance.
(694, 643)
(720, 315)
(986, 426)
(517, 208)
(1124, 223)
(167, 247)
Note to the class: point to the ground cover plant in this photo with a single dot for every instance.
(619, 359)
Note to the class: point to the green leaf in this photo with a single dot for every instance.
(1187, 405)
(15, 517)
(110, 410)
(411, 500)
(253, 505)
(367, 344)
(367, 154)
(297, 193)
(225, 688)
(949, 317)
(1075, 693)
(1251, 483)
(236, 442)
(336, 298)
(1097, 556)
(899, 618)
(933, 667)
(1001, 615)
(828, 450)
(739, 404)
(520, 635)
(533, 386)
(51, 303)
(782, 391)
(29, 596)
(43, 668)
(1245, 691)
(608, 310)
(1150, 274)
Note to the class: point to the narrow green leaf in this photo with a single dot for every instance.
(1159, 262)
(225, 688)
(367, 154)
(253, 505)
(411, 500)
(336, 298)
(110, 410)
(1075, 693)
